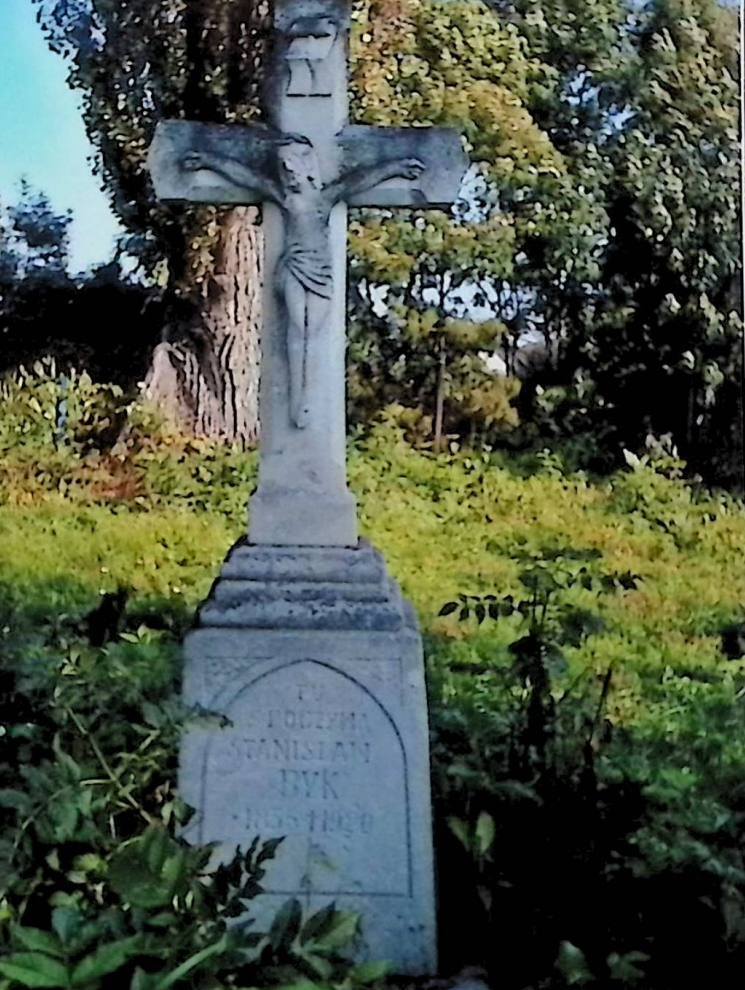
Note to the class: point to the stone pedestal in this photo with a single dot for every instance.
(316, 660)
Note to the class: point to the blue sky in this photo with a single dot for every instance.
(42, 135)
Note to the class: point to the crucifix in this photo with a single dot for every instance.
(305, 643)
(305, 165)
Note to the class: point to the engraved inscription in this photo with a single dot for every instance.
(313, 756)
(329, 821)
(291, 750)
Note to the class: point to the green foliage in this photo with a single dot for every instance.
(643, 311)
(543, 749)
(448, 64)
(603, 215)
(604, 749)
(588, 749)
(96, 882)
(105, 445)
(71, 411)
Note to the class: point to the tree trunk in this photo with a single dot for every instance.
(441, 393)
(204, 375)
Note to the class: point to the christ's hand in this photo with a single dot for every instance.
(410, 168)
(194, 161)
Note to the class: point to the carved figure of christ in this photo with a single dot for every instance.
(304, 273)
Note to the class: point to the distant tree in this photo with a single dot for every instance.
(670, 329)
(607, 221)
(645, 329)
(47, 315)
(34, 238)
(34, 244)
(434, 294)
(134, 62)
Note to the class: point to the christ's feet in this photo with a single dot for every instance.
(300, 415)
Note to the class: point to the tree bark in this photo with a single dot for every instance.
(204, 375)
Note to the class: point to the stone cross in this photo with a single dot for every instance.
(306, 165)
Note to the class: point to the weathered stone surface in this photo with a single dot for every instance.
(258, 563)
(362, 147)
(305, 588)
(439, 149)
(175, 139)
(327, 743)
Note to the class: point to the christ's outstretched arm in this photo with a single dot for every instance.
(361, 179)
(234, 171)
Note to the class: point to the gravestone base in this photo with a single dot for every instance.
(316, 660)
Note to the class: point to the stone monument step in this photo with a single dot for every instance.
(238, 590)
(281, 613)
(362, 564)
(308, 588)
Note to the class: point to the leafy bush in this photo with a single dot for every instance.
(95, 881)
(589, 805)
(578, 828)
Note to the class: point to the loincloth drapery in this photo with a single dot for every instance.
(312, 269)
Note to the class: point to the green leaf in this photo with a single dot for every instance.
(319, 964)
(37, 940)
(64, 815)
(175, 868)
(65, 760)
(286, 924)
(33, 969)
(105, 959)
(162, 920)
(155, 847)
(268, 850)
(340, 933)
(485, 833)
(143, 981)
(516, 790)
(67, 922)
(572, 964)
(318, 923)
(459, 828)
(152, 715)
(369, 972)
(622, 967)
(192, 963)
(143, 873)
(17, 800)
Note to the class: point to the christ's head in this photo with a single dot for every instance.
(298, 164)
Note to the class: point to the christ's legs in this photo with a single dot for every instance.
(297, 348)
(306, 312)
